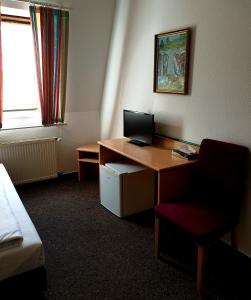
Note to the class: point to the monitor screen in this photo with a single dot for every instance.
(139, 127)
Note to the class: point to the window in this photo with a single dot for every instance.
(20, 92)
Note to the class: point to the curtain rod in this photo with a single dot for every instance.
(46, 4)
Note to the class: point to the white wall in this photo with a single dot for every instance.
(90, 30)
(219, 101)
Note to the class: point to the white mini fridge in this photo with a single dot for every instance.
(126, 187)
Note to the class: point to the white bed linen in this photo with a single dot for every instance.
(28, 254)
(9, 228)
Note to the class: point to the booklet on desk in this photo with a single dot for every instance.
(186, 152)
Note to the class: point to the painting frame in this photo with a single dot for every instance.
(171, 61)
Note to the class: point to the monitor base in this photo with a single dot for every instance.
(138, 143)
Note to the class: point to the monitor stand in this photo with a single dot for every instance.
(138, 143)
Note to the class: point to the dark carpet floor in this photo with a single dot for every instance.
(92, 254)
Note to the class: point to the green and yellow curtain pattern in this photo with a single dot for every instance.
(50, 34)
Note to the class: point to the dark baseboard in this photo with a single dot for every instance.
(29, 285)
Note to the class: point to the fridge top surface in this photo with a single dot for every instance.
(125, 166)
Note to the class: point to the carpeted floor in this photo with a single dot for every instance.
(92, 254)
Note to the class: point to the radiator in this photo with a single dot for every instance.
(30, 160)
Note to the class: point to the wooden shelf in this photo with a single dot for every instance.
(93, 148)
(88, 161)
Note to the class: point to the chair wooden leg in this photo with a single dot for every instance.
(156, 238)
(201, 257)
(234, 238)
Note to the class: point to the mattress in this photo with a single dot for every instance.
(23, 255)
(9, 227)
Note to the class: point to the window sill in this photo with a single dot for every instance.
(23, 119)
(32, 126)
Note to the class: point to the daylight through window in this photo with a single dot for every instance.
(19, 74)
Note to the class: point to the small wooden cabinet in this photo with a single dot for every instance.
(88, 161)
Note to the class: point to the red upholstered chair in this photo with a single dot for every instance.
(211, 206)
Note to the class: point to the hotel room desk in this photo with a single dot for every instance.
(172, 172)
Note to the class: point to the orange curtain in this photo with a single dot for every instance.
(50, 35)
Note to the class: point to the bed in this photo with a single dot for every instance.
(23, 253)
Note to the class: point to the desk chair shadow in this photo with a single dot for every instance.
(211, 206)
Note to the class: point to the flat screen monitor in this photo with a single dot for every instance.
(139, 127)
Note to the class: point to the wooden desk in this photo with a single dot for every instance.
(172, 172)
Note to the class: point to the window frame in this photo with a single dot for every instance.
(24, 21)
(15, 116)
(15, 19)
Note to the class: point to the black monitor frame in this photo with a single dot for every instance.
(138, 127)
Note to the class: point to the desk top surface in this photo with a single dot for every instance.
(157, 157)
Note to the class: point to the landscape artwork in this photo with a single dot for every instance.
(171, 62)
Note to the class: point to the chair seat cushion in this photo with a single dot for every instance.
(196, 219)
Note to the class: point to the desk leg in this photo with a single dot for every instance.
(106, 155)
(159, 188)
(173, 182)
(156, 238)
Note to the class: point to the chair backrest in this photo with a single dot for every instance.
(221, 174)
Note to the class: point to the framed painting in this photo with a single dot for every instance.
(171, 61)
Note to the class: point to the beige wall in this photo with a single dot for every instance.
(219, 102)
(90, 30)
